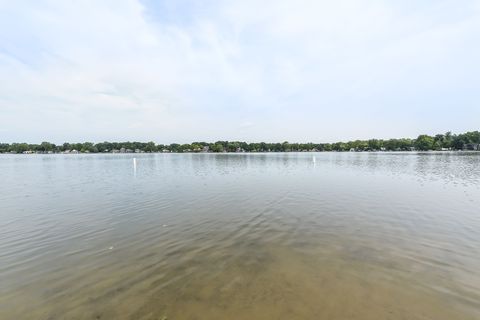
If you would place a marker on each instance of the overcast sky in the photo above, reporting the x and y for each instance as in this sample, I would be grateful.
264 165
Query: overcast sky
182 71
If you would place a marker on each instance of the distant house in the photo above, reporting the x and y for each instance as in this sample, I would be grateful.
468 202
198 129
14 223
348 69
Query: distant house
27 152
205 149
472 146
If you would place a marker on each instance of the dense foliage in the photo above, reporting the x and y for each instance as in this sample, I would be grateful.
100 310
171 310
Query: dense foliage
469 140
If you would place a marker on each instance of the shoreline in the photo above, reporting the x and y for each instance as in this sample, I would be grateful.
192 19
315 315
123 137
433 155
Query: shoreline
244 152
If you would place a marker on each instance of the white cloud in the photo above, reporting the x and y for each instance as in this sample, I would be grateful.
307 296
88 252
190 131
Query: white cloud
118 70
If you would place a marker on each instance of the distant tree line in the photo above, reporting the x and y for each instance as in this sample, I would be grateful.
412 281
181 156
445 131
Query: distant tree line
447 141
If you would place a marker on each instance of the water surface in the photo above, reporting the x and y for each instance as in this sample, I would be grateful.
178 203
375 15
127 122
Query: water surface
240 236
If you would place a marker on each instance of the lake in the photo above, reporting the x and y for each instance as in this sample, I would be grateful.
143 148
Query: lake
240 236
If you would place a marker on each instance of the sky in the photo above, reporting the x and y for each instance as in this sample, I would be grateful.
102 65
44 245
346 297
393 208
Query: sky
273 70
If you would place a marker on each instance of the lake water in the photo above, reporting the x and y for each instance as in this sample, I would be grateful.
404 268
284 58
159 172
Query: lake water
240 236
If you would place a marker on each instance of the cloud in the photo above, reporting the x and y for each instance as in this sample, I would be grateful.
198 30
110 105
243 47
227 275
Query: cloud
246 125
174 71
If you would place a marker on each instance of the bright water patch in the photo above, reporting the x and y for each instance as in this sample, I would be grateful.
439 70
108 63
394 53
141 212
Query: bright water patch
240 236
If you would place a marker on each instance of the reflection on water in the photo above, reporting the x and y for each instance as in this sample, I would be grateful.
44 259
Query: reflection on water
240 236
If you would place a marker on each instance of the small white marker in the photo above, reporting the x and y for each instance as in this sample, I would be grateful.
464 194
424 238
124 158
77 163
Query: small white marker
165 225
111 248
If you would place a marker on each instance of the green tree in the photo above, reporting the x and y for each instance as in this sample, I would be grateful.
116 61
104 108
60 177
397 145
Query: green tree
424 142
216 147
150 147
46 146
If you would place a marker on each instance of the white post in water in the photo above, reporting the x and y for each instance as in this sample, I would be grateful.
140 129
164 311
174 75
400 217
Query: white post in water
314 159
135 165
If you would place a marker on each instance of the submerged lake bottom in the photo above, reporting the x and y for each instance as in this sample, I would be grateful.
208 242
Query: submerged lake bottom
240 236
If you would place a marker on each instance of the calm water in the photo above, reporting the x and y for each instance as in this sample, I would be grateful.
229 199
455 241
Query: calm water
240 236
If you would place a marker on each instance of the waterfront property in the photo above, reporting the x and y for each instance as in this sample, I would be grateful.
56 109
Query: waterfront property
439 142
472 146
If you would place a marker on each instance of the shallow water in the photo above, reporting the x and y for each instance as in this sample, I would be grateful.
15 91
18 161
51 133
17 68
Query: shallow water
240 236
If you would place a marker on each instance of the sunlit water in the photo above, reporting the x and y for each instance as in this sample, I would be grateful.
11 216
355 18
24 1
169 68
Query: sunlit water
240 236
